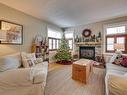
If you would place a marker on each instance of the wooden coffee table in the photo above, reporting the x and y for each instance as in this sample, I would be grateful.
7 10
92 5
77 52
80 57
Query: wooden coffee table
81 70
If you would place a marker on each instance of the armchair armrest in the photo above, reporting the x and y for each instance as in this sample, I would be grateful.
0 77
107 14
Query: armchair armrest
15 77
39 73
117 84
23 77
40 77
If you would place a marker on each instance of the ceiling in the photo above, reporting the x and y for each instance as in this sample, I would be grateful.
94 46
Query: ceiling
69 13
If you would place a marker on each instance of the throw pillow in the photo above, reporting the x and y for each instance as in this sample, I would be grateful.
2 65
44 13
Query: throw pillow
39 60
117 53
113 58
32 57
28 60
118 60
9 62
124 61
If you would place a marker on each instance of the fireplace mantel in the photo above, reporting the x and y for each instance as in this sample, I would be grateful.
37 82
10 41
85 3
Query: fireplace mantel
88 43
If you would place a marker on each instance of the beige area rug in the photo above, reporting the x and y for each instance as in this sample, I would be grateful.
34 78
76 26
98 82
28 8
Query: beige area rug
59 82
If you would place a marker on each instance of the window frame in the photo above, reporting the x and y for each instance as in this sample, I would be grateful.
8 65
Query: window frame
119 24
68 42
70 38
115 40
52 43
59 43
52 31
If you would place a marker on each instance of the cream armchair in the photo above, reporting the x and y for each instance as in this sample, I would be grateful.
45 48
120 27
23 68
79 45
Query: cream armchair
117 84
24 81
115 79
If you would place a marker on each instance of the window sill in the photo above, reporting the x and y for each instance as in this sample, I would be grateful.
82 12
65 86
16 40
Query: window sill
110 54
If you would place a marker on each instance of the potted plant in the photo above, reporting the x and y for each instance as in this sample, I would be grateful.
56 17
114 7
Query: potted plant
63 56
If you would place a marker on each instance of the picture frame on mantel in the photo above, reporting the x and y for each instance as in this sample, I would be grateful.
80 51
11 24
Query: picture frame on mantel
11 33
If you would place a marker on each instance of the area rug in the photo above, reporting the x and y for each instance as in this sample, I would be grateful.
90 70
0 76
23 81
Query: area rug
59 82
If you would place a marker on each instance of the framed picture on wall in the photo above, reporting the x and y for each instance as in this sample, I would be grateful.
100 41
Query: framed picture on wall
11 33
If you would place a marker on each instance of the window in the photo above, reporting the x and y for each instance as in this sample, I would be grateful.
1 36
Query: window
70 43
54 43
110 44
116 30
115 35
69 37
50 43
54 34
54 39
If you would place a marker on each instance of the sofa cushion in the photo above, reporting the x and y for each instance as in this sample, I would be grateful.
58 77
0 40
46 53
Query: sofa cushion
114 72
125 75
12 78
110 66
10 62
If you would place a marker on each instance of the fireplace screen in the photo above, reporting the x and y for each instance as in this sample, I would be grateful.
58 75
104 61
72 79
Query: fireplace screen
87 52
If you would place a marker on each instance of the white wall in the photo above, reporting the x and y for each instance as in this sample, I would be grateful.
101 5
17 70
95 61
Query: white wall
31 27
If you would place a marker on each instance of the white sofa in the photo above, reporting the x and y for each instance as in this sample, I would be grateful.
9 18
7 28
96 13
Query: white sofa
115 79
22 81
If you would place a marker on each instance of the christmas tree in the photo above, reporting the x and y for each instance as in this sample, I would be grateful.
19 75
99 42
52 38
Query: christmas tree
63 55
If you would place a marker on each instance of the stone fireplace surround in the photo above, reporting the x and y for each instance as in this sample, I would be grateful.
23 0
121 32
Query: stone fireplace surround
98 51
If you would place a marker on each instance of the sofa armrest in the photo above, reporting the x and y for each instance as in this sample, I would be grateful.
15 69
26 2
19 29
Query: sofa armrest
117 84
15 77
39 73
40 77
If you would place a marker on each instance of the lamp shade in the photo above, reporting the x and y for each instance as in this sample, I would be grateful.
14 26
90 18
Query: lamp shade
119 46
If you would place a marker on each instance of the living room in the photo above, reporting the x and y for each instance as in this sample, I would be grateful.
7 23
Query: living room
63 47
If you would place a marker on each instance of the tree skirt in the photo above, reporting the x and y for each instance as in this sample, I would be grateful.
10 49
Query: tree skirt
64 62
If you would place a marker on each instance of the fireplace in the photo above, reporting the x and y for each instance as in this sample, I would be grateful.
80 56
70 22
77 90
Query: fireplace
87 52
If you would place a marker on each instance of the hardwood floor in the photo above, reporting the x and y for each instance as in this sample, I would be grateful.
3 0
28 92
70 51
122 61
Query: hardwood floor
59 82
